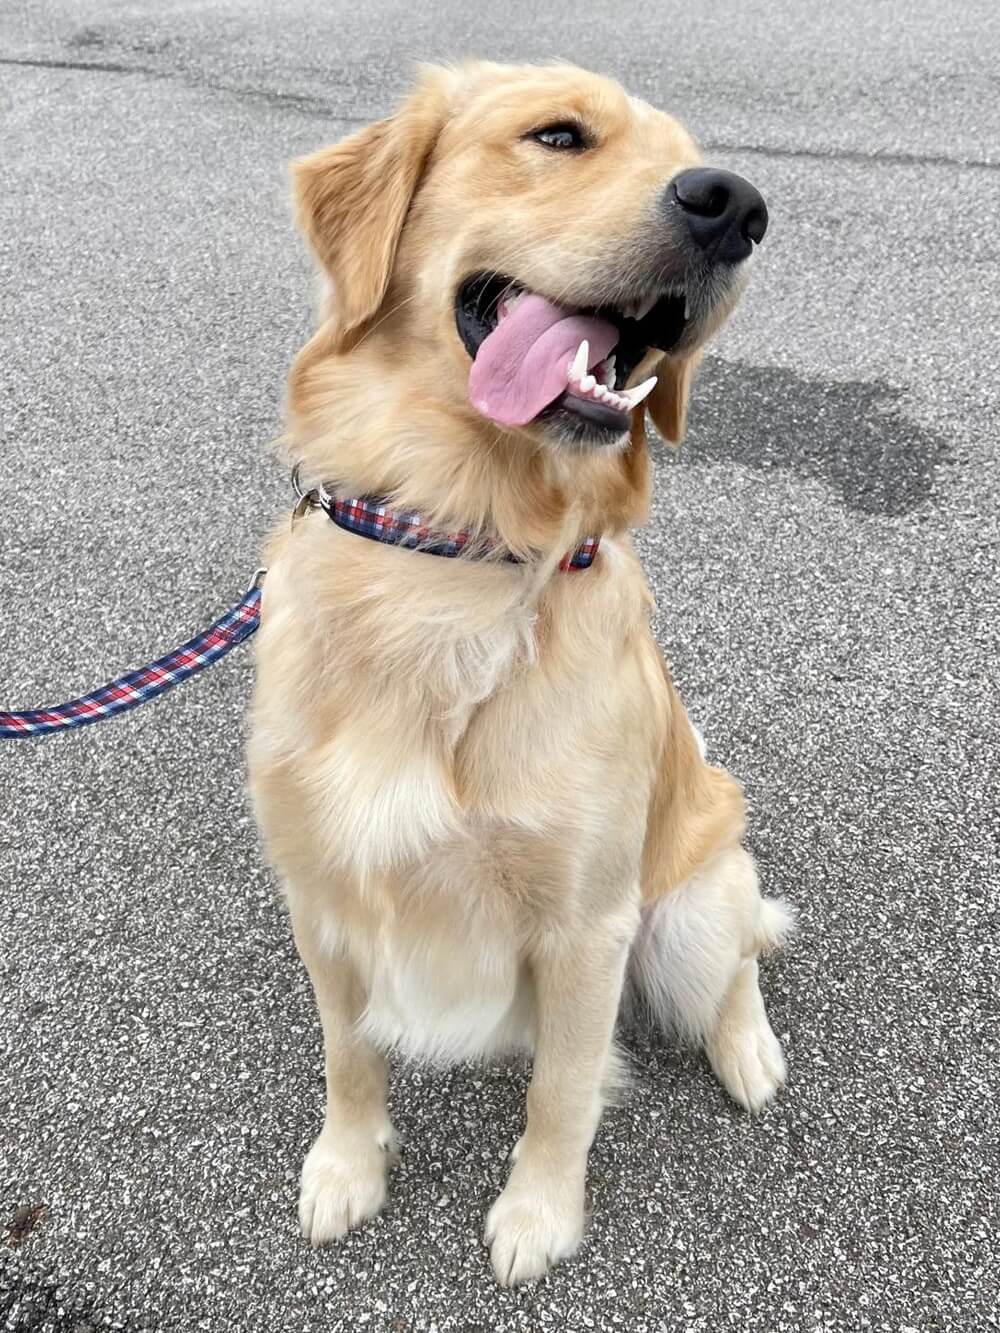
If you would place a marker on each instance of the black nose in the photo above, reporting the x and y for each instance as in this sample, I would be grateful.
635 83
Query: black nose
725 214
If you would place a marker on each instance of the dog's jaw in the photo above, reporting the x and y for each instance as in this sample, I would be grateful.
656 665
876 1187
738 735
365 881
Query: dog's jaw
574 372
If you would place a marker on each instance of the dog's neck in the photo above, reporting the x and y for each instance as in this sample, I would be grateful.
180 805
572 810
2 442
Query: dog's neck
373 420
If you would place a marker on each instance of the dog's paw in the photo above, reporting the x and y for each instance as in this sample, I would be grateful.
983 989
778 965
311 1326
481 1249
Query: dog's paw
343 1183
531 1228
747 1061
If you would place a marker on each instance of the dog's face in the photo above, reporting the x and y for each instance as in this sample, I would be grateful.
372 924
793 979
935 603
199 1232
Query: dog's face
541 241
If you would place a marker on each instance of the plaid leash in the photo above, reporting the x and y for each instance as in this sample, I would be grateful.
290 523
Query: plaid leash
366 516
138 687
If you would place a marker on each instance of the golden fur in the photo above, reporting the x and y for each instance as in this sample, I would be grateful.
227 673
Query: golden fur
472 775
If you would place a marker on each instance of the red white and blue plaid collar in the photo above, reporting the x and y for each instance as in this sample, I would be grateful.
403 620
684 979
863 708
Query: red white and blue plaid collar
368 516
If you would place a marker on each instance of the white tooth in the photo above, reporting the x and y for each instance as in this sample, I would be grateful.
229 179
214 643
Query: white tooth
587 383
644 307
608 373
641 391
687 307
579 367
600 391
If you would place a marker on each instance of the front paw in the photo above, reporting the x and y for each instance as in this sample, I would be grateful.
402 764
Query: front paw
533 1224
343 1183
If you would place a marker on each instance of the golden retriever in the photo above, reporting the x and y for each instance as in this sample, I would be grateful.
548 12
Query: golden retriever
489 812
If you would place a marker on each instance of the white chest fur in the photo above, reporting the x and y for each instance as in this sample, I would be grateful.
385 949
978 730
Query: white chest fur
385 776
445 995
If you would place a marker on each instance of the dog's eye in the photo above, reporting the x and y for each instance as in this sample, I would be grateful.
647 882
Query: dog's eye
565 137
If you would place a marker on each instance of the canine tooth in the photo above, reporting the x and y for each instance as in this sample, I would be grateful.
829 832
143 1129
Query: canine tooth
635 396
645 306
587 383
579 368
507 303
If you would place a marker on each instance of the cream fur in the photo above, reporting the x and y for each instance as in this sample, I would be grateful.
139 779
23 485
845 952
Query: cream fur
475 778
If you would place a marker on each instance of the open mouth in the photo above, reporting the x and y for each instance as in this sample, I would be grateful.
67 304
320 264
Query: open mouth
532 357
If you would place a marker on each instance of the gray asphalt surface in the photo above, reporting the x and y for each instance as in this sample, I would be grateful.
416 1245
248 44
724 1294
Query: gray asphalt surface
824 554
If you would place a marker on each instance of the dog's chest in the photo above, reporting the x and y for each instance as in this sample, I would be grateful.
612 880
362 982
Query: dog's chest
383 791
442 984
464 671
477 789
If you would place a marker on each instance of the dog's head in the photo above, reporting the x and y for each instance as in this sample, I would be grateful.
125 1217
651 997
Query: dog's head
537 244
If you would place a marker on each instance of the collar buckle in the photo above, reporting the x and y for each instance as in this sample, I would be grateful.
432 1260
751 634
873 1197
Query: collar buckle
318 497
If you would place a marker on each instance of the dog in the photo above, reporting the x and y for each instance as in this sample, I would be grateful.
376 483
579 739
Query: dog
492 820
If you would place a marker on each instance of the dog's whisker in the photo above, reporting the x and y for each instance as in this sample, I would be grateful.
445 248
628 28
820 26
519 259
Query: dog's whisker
383 318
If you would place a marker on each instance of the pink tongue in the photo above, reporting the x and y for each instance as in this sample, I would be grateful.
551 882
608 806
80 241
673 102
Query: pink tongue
524 363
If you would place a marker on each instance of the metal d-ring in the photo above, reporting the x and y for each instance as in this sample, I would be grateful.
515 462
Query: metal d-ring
316 498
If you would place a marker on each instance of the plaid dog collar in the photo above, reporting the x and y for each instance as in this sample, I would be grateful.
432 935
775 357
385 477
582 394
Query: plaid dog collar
368 516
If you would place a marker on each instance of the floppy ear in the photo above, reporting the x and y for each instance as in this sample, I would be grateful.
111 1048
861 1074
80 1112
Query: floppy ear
352 199
668 403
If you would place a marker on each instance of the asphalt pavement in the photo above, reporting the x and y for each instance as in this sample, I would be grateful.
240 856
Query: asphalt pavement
824 553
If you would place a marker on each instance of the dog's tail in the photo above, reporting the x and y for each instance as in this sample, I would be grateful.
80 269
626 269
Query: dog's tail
693 940
776 924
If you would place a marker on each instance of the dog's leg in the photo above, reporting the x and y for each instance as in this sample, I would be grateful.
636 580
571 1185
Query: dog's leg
743 1051
538 1218
695 965
344 1173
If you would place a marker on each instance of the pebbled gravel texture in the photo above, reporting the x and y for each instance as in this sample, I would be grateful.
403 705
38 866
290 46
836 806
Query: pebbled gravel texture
824 553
